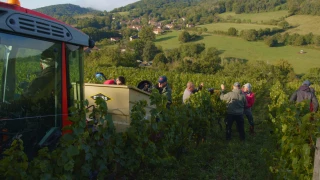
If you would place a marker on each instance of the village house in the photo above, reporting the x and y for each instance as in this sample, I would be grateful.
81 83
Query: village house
114 39
133 38
136 27
155 23
189 25
152 22
123 22
169 26
157 31
136 21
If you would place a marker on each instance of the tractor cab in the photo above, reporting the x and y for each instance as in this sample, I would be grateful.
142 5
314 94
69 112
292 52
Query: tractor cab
40 61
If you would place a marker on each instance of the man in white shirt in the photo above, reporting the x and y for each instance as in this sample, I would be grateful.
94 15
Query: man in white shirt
188 91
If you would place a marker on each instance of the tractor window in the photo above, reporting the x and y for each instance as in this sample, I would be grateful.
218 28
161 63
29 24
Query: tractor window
75 62
30 88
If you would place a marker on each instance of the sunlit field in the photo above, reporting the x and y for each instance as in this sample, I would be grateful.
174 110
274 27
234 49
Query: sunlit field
256 17
238 26
240 48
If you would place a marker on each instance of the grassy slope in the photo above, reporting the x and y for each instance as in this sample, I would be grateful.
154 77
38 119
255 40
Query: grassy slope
305 24
239 27
237 47
266 16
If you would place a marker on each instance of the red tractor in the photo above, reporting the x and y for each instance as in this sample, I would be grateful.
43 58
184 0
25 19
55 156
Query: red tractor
41 64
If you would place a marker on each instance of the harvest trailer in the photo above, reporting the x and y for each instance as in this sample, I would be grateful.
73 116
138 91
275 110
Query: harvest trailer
41 59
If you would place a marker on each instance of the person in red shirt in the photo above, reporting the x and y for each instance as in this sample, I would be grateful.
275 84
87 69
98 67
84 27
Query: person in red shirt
119 81
110 81
250 101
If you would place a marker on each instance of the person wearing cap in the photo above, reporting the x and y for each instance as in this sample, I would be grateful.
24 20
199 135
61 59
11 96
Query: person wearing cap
43 85
188 91
305 92
236 102
41 90
246 89
165 89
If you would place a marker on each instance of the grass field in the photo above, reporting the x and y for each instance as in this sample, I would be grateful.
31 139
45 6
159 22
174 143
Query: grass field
239 48
305 24
256 17
238 26
124 13
84 16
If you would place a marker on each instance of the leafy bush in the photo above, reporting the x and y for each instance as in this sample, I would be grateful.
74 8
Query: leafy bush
232 31
270 41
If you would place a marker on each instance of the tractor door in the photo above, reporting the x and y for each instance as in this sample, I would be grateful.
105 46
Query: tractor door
30 90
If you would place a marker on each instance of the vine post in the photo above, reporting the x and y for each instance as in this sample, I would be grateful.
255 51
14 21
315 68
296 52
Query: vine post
316 167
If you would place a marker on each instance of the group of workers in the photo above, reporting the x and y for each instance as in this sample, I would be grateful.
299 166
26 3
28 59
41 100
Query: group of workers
241 99
239 103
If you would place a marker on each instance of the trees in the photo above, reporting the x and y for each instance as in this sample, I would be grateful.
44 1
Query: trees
160 58
137 46
191 50
284 71
160 61
173 55
210 60
146 34
303 7
270 41
149 51
205 29
232 31
127 32
284 24
250 35
184 37
316 40
299 41
308 38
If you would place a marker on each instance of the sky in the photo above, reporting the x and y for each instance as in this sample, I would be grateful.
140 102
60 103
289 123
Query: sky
102 5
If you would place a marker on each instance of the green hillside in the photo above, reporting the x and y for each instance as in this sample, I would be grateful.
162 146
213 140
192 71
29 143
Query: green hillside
65 10
239 48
